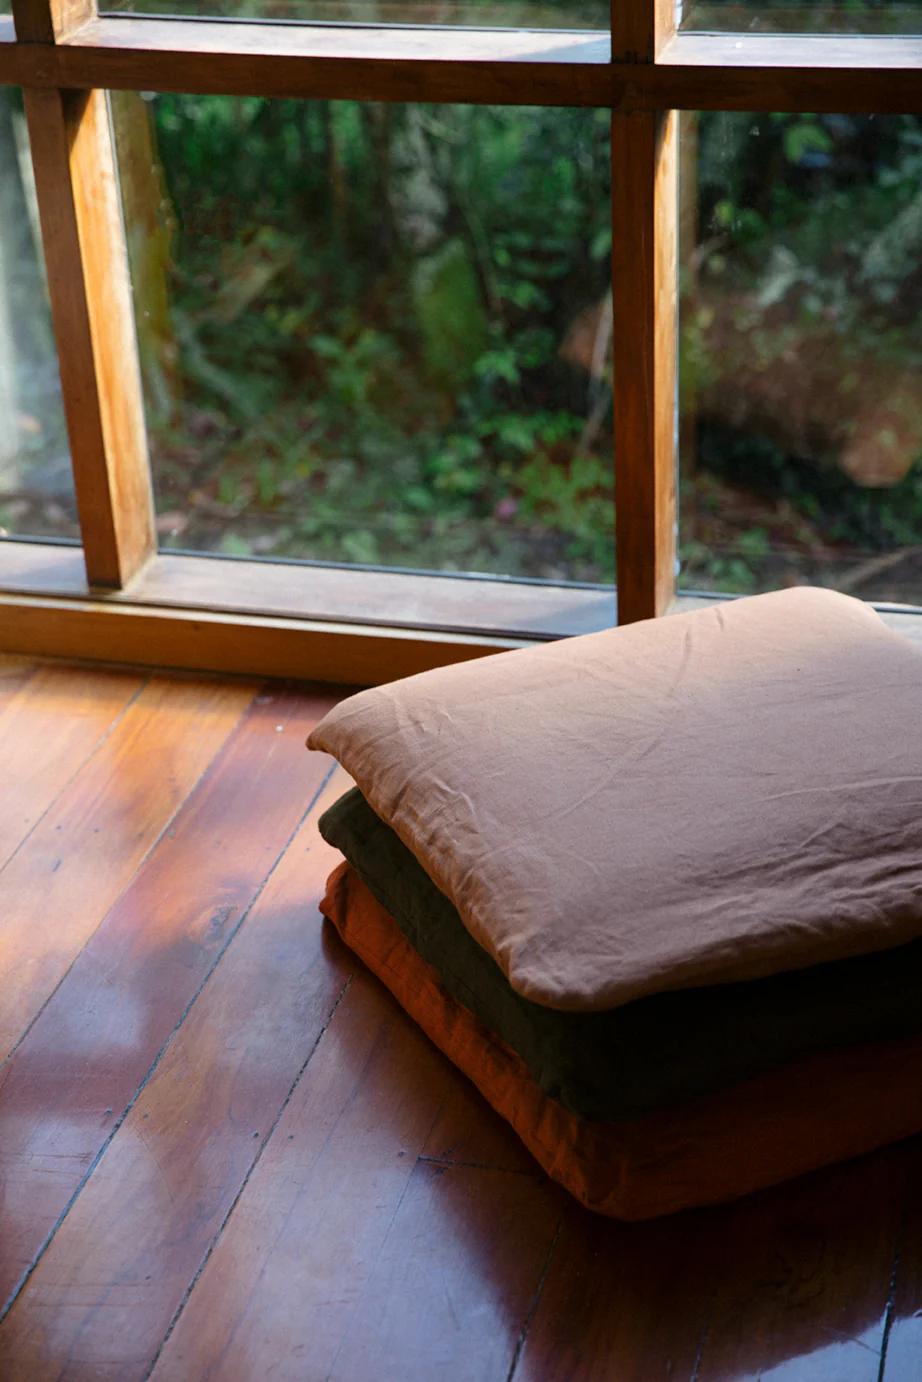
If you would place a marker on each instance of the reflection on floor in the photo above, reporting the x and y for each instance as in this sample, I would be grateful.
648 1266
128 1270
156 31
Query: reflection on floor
226 1153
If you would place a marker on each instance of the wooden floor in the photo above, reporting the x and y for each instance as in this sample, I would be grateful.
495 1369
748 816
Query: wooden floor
225 1153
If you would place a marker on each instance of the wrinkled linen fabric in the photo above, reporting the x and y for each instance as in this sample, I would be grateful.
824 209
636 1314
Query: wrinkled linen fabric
702 799
809 1114
643 1055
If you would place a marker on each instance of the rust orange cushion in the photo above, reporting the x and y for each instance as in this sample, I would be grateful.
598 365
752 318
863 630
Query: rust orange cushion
800 1117
707 798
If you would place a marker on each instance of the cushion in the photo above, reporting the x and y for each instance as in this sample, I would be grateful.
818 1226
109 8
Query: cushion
821 1110
657 1050
707 798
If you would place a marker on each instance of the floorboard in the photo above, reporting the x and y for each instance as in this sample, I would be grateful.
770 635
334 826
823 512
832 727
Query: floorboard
84 851
67 1086
225 1153
49 726
455 1280
319 1205
625 1301
179 1159
902 1352
14 673
805 1282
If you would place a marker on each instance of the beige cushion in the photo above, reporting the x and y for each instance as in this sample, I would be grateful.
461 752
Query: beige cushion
710 797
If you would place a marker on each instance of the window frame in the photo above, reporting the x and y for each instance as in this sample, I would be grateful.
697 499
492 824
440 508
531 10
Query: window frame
132 603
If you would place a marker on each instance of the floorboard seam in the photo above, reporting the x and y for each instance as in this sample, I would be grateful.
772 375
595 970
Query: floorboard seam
480 1166
103 738
27 1274
384 1237
891 1300
535 1302
702 1343
356 1306
155 844
246 1180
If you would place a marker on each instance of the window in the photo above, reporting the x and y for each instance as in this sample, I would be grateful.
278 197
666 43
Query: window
337 328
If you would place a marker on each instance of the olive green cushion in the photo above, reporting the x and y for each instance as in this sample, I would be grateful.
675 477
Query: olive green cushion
653 1051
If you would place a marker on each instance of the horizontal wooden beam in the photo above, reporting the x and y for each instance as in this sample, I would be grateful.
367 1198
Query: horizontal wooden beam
396 64
114 630
117 631
409 600
873 74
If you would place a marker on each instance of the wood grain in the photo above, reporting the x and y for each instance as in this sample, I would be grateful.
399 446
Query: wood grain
50 724
468 1133
301 590
344 61
94 1041
640 29
14 673
350 654
903 1329
644 286
456 1278
34 21
61 882
386 1225
50 21
145 1221
805 1285
287 1277
87 262
625 1301
874 75
114 629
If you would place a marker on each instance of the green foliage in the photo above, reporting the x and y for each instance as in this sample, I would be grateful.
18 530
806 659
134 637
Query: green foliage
369 304
373 307
451 314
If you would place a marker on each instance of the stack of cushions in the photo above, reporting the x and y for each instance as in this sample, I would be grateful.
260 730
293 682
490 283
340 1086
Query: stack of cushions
657 891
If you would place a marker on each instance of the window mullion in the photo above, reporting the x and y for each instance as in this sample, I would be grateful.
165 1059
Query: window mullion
87 264
644 214
47 21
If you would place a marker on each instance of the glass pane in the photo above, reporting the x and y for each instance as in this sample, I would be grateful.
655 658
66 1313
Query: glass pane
36 485
801 354
375 334
511 14
802 17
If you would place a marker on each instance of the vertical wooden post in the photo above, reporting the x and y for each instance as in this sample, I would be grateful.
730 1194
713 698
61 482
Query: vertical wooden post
689 305
641 28
644 288
46 21
644 291
76 181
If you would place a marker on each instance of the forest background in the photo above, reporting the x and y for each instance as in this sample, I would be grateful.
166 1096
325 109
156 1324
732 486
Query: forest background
382 334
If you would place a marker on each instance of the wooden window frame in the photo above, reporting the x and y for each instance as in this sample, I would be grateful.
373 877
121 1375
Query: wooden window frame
116 598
